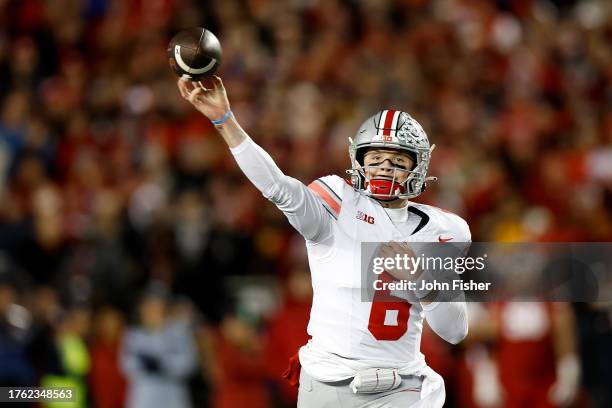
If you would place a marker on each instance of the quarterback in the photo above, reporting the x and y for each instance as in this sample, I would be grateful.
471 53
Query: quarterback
361 354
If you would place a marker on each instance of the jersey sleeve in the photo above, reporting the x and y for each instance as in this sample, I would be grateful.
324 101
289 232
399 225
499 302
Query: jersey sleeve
329 191
449 319
300 204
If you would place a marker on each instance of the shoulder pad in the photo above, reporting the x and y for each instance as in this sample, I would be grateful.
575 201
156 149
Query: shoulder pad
448 222
330 190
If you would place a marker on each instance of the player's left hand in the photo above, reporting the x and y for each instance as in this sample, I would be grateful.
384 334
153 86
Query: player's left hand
390 250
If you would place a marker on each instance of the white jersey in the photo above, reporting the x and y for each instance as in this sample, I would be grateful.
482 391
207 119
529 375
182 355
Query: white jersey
349 334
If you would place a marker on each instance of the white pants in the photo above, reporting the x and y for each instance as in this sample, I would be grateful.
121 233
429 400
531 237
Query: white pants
317 394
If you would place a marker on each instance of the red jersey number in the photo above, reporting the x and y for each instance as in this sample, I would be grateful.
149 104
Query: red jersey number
383 301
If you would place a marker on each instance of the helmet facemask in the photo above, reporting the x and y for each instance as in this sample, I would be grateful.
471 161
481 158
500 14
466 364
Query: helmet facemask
390 188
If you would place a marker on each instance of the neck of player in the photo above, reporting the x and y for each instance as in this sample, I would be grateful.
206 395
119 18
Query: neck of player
397 203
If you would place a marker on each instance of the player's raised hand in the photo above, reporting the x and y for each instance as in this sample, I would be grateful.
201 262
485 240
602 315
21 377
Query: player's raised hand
212 102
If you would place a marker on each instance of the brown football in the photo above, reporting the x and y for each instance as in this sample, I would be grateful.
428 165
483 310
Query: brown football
194 54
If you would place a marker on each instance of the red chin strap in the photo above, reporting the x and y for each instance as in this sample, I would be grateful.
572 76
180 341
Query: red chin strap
381 189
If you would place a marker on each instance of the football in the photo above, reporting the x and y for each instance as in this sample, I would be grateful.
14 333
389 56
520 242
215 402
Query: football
194 54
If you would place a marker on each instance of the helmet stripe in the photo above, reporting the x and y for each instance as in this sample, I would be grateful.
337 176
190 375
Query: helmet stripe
390 114
396 116
381 123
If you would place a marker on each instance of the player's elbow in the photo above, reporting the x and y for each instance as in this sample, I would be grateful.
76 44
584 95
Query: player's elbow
452 330
456 333
458 337
448 320
283 192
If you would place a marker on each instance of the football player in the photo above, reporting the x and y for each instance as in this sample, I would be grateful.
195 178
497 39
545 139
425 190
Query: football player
360 353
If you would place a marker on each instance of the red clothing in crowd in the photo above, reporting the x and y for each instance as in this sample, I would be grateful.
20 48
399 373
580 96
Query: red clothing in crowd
107 381
287 334
526 358
240 379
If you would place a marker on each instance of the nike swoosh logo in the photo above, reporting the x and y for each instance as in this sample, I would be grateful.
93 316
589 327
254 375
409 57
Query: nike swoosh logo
444 239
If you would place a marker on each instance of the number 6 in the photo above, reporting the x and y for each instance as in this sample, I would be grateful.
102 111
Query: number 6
381 303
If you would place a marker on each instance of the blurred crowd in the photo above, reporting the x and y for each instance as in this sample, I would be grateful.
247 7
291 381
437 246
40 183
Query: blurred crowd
127 233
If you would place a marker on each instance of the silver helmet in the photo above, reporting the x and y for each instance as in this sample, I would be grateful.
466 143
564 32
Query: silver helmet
391 129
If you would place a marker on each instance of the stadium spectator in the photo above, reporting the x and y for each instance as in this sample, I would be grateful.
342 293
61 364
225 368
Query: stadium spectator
106 380
15 370
69 340
287 332
240 376
158 355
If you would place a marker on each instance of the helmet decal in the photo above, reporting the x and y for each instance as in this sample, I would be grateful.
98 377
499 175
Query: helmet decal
410 132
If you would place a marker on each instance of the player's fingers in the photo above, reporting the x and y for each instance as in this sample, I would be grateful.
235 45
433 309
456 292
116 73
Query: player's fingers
217 82
403 246
190 86
387 252
395 246
392 247
193 95
182 86
201 85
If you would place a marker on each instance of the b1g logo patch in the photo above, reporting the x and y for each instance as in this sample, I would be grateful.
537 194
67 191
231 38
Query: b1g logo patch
365 217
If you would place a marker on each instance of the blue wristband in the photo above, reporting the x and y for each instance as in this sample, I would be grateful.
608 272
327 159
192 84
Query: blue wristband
223 119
